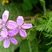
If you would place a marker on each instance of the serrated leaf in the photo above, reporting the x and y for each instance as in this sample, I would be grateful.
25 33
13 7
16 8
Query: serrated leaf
49 25
41 24
49 35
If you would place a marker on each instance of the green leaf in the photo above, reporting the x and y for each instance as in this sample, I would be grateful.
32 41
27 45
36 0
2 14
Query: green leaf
49 25
31 34
34 45
49 35
49 43
27 46
41 24
50 49
24 47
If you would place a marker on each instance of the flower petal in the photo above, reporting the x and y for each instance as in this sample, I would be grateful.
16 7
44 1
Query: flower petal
14 41
13 32
11 24
6 43
20 20
23 33
0 23
5 15
4 32
26 26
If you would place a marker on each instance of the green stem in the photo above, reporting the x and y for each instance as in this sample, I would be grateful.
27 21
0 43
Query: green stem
43 5
30 50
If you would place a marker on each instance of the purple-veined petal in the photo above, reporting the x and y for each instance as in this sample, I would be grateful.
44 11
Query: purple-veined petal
11 24
13 32
14 41
6 43
5 15
23 33
26 26
20 20
4 32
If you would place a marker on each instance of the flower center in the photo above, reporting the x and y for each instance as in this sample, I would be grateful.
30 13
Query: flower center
19 27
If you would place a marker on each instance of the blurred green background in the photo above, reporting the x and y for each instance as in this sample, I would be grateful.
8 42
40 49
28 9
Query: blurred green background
39 13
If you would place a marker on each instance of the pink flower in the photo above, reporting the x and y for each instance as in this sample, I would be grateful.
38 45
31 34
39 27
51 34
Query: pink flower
3 24
3 29
5 33
21 26
8 40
